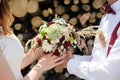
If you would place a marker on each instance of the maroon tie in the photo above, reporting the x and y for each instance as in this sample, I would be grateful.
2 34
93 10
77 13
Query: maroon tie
108 9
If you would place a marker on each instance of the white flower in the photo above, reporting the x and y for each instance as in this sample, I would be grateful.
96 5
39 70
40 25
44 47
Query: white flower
60 20
55 41
46 46
75 42
62 47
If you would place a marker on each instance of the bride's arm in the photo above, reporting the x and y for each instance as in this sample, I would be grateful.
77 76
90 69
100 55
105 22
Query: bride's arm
45 63
5 71
28 58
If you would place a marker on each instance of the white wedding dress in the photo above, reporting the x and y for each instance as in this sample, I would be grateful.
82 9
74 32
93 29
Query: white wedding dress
13 53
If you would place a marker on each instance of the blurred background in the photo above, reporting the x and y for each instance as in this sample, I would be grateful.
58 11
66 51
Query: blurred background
29 15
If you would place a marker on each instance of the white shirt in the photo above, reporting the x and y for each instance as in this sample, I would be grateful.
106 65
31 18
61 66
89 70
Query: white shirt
100 68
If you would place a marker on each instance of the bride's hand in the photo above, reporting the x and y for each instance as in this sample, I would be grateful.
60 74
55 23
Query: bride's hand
39 51
49 61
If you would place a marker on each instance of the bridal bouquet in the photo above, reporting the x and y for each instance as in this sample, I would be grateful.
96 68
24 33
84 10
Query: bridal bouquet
58 35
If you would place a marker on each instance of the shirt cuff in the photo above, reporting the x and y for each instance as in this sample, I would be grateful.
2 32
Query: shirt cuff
75 62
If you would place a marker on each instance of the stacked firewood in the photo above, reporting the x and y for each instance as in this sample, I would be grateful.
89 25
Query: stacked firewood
29 15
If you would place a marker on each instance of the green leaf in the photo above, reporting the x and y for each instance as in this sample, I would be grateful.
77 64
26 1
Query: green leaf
71 39
42 32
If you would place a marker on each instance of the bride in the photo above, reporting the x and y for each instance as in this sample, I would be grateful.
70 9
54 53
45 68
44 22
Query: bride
12 57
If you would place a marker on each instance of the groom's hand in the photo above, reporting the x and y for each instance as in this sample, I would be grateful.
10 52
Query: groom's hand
69 55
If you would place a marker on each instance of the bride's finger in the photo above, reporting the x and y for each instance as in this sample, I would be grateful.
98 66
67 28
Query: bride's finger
60 58
60 62
54 57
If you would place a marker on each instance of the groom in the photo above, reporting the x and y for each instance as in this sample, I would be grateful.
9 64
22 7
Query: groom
104 62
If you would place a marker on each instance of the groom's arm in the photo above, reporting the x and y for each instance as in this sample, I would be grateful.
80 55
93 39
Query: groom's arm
103 70
74 64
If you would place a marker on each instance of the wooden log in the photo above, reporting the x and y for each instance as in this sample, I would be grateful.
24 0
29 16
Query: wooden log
97 4
73 21
92 20
101 10
84 18
55 3
79 16
84 26
24 36
67 74
86 7
41 0
18 27
85 52
35 29
23 43
36 21
65 17
20 37
45 13
89 50
19 7
59 10
84 1
76 1
74 8
93 15
50 11
90 42
42 77
67 2
33 6
58 69
99 15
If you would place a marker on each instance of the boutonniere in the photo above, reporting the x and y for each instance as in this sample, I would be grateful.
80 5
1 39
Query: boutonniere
101 38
